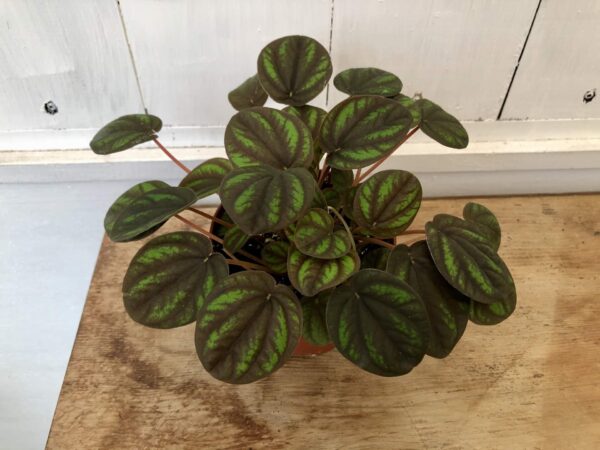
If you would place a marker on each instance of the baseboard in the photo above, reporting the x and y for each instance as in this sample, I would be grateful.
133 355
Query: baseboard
503 158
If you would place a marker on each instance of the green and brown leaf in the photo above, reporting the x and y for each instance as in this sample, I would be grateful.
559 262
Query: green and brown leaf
248 327
170 278
360 130
206 178
261 135
248 94
386 204
379 323
368 81
294 69
125 132
262 199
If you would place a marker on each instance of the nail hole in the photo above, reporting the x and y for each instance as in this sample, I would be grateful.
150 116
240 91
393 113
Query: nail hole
50 107
589 95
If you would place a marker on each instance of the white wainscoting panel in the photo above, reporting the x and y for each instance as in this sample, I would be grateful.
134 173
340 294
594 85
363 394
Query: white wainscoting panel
461 54
72 52
191 53
560 64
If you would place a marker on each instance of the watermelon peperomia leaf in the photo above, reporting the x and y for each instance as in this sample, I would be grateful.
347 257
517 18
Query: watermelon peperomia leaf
169 279
125 132
248 327
144 208
262 199
379 323
441 126
275 255
235 239
465 257
312 275
248 94
447 309
314 325
315 236
205 179
493 313
368 81
266 136
294 69
411 105
387 202
474 212
362 129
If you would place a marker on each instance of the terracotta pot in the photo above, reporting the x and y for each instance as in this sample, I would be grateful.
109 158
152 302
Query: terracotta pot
305 348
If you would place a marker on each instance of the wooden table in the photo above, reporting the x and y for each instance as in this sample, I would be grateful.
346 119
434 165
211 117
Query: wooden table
531 382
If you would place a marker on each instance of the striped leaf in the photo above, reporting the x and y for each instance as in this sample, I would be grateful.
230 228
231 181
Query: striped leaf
374 257
441 126
411 105
248 327
494 313
275 254
313 275
319 200
386 204
313 118
206 178
235 239
170 278
448 309
144 208
474 212
367 81
263 199
379 323
361 130
315 236
260 135
125 132
248 94
294 69
314 325
463 255
125 200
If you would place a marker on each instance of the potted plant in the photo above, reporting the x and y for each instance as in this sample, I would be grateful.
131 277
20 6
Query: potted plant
303 254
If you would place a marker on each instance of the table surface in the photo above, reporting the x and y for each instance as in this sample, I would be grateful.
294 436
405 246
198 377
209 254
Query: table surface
530 382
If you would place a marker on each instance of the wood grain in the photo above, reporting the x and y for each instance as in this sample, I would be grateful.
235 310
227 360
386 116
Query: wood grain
531 382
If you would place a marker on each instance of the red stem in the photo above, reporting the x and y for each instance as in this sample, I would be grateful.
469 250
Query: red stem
382 160
211 217
168 153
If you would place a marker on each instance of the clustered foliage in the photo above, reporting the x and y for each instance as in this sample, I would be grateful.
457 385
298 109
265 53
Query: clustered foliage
304 245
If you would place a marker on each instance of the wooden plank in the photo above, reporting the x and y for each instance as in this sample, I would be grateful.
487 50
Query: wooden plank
560 64
72 52
459 54
531 382
191 53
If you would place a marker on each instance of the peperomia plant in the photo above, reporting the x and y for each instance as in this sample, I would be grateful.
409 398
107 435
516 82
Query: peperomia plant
307 248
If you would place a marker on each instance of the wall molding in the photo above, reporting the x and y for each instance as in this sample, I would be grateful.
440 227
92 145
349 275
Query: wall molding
503 158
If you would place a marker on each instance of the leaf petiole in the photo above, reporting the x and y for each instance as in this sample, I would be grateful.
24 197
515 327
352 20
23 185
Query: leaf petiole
170 155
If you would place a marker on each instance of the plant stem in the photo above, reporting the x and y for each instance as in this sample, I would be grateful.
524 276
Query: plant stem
339 216
412 232
376 241
322 174
382 160
244 264
220 241
168 153
211 217
357 177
